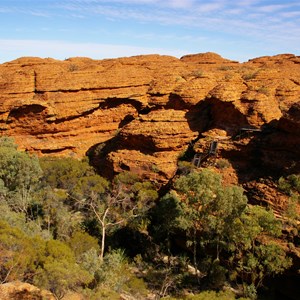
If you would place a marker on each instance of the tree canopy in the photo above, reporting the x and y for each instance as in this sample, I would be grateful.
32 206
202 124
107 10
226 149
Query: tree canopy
62 226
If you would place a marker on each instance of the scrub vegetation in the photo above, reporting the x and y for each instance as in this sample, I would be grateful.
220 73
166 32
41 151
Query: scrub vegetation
65 228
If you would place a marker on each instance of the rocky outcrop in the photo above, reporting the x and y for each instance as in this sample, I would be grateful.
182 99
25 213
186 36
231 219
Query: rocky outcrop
141 113
23 291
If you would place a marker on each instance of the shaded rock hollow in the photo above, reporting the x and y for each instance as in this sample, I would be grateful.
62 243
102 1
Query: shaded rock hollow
141 113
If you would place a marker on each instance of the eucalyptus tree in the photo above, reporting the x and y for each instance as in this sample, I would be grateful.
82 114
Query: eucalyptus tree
113 205
237 239
203 208
20 175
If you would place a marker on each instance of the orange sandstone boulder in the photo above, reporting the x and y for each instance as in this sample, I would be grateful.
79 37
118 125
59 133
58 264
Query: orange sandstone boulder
23 291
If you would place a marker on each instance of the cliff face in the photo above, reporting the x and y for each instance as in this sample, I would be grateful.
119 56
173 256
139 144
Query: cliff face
141 113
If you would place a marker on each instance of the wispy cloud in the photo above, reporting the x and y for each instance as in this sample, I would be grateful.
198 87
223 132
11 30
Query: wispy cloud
186 13
275 7
291 14
39 14
180 3
5 10
253 18
168 23
247 20
43 12
247 3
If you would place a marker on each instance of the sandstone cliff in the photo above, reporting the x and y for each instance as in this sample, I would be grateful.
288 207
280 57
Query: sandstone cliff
141 113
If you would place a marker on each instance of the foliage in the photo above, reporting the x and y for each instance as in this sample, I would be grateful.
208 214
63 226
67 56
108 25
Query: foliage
20 254
18 220
291 208
170 216
198 73
136 286
222 163
185 167
73 67
103 294
124 204
218 218
209 205
250 260
212 295
57 213
290 185
248 73
59 271
263 90
19 176
81 242
114 271
18 170
63 173
209 295
225 68
166 274
67 183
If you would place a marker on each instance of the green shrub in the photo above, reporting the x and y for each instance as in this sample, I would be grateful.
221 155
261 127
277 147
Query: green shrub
136 287
18 170
228 76
58 271
64 173
290 184
291 208
248 73
114 271
81 242
185 167
263 90
198 73
225 68
249 76
223 163
20 254
102 293
73 67
212 295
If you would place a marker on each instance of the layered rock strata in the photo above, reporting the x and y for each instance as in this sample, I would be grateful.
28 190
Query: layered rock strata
141 113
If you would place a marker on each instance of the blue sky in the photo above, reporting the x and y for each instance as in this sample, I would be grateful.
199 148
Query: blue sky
99 29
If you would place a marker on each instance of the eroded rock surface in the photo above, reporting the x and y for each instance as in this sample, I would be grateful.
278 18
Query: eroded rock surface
23 291
141 113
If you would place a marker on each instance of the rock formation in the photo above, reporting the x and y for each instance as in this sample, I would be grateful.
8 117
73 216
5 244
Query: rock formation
23 291
144 113
141 113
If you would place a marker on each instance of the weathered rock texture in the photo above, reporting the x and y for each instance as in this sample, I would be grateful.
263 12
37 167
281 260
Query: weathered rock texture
141 113
23 291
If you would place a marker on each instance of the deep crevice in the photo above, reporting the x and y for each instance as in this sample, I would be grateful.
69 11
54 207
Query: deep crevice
213 113
34 81
177 103
70 118
126 120
295 81
50 151
21 111
115 102
89 89
107 104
